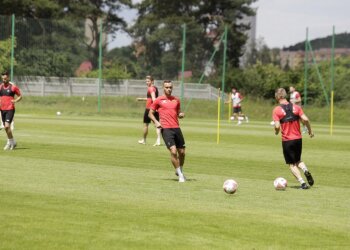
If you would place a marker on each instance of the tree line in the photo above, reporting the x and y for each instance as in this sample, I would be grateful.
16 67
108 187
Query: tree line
50 40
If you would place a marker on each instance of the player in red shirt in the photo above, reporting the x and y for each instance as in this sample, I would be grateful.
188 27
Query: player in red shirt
287 118
10 94
152 94
168 107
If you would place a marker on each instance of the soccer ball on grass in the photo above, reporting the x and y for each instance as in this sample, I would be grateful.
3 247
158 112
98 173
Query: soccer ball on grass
230 186
280 183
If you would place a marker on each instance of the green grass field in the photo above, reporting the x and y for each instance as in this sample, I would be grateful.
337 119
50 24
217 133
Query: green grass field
83 182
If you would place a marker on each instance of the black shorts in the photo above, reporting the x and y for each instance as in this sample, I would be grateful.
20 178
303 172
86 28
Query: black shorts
146 119
173 136
237 110
292 151
7 115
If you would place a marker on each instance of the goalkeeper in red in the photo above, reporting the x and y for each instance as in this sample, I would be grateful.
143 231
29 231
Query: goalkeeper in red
287 117
10 94
168 107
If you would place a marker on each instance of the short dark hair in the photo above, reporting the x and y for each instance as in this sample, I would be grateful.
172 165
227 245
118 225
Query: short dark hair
167 82
5 73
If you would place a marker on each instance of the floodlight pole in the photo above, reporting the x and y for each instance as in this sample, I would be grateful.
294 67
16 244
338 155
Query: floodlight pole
306 63
332 81
208 63
224 68
218 121
216 49
100 69
318 73
183 61
12 45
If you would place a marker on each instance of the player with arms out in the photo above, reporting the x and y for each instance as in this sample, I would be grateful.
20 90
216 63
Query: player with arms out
287 118
168 107
152 94
9 94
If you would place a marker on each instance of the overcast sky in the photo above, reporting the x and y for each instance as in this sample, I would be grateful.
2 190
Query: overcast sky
282 23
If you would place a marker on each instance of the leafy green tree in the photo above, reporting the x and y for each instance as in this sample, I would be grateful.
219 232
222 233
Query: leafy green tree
110 72
341 82
5 54
125 58
33 9
158 33
216 14
261 80
49 47
95 12
66 29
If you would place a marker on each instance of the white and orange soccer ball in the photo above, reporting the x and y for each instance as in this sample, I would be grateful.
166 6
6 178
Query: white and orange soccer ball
230 186
280 183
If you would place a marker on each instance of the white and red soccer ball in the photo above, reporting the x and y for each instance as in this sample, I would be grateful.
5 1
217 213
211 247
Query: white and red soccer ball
280 183
230 186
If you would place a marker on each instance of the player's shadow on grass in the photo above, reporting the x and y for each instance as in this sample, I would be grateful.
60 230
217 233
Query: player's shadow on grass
298 187
177 180
22 148
16 149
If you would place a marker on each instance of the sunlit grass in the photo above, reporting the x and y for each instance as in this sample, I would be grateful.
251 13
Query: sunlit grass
83 182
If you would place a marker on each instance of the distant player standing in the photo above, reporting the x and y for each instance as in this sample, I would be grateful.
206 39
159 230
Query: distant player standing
237 98
286 117
8 92
295 96
168 107
152 94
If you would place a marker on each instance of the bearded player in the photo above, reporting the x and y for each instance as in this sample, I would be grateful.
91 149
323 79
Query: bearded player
168 107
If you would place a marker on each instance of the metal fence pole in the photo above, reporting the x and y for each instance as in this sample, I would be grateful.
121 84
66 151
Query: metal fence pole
42 86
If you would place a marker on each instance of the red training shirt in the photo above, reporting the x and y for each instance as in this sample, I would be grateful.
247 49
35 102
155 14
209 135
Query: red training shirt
289 130
168 109
150 90
7 95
